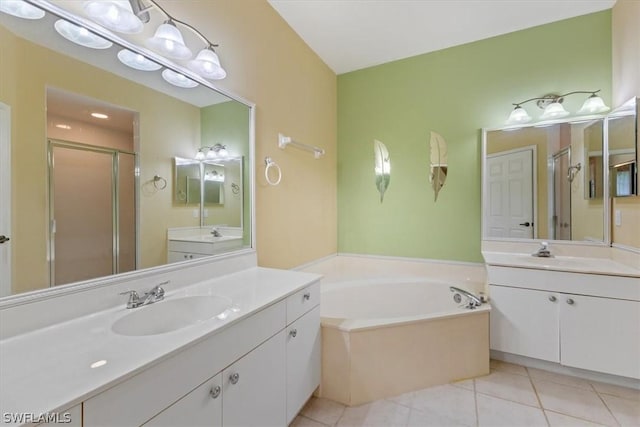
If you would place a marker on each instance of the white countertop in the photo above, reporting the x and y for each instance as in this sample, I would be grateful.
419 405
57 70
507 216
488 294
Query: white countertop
49 369
604 266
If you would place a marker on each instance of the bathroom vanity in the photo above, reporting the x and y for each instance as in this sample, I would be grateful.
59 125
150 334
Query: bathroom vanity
580 312
253 360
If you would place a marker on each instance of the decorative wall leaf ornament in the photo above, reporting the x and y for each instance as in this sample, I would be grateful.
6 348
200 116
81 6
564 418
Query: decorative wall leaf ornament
438 174
382 167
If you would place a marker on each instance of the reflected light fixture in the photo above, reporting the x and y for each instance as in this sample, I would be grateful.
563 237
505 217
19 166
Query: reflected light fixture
116 15
553 109
207 64
137 61
217 151
80 35
21 9
178 79
101 116
169 42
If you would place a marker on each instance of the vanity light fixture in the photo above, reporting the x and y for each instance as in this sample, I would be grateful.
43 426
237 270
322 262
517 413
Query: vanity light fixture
80 35
207 64
63 126
169 42
553 109
178 79
137 61
116 15
21 9
218 151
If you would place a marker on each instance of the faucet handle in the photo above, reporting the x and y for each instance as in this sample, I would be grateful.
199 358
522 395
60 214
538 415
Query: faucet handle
544 245
134 298
157 290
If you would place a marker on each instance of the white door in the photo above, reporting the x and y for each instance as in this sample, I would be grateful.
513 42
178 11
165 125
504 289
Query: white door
5 200
509 208
525 322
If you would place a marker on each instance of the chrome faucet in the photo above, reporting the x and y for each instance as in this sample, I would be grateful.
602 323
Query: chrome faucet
543 251
215 232
154 295
472 300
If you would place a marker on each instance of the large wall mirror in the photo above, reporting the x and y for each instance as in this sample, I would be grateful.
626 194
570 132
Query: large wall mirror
571 180
545 182
95 196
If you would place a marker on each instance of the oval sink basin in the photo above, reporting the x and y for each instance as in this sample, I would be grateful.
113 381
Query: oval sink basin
170 315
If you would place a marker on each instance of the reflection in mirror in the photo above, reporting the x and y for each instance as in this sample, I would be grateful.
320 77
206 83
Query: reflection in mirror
535 185
164 122
187 181
623 150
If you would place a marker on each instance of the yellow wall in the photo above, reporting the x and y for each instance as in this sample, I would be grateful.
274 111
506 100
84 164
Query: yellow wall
625 19
34 68
295 93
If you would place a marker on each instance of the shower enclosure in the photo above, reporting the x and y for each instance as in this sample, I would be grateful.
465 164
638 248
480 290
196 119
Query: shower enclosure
92 200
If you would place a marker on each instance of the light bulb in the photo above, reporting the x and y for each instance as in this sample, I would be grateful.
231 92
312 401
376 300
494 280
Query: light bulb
116 15
178 79
518 115
137 61
207 64
21 9
80 35
593 105
168 41
555 110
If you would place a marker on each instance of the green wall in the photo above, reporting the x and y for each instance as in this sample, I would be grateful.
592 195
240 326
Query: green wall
454 92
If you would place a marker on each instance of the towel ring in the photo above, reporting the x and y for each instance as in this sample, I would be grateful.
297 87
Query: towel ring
271 164
158 179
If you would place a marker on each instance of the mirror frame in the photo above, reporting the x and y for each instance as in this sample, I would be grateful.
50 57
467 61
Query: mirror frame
606 203
75 287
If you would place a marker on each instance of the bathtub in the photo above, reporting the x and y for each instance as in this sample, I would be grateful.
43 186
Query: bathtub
382 338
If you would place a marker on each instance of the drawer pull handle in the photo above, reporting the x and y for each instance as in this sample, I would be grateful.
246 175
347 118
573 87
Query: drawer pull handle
215 392
293 333
234 378
307 296
552 298
570 301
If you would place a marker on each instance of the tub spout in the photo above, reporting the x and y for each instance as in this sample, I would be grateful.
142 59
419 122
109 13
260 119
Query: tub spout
472 300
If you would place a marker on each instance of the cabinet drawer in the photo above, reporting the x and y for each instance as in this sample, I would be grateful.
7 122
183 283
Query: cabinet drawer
302 301
182 256
136 400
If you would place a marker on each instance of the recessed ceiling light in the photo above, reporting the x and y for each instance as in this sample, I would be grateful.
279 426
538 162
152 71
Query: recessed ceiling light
99 116
63 126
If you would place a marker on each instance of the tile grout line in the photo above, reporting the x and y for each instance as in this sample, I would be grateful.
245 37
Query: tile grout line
605 404
475 400
535 391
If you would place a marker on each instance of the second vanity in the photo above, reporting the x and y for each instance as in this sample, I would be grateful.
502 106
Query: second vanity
578 312
255 362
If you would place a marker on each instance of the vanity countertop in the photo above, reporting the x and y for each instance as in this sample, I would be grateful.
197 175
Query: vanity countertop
49 369
586 265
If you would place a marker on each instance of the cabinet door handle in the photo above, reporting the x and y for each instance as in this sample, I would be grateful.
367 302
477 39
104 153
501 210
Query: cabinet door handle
293 333
570 301
306 296
234 378
552 298
215 392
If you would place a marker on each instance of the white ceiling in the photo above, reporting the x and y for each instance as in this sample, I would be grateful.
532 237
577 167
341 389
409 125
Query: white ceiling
352 34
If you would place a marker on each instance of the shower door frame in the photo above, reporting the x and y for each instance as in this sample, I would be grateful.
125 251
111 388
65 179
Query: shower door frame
555 220
51 143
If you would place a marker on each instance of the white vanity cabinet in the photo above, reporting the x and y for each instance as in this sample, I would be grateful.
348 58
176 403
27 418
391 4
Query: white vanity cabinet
187 249
598 332
257 372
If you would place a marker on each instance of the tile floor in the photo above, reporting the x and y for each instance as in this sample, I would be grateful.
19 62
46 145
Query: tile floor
509 396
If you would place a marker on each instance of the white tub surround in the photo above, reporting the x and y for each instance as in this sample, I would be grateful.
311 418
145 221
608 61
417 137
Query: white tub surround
122 379
579 310
391 326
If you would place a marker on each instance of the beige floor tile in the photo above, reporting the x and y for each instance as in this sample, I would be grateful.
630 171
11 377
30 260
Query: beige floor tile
323 410
494 412
498 365
512 387
573 401
465 384
561 420
626 411
301 421
446 404
381 413
539 374
615 390
404 399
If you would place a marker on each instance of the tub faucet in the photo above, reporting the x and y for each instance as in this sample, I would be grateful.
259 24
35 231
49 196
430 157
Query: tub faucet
543 251
215 232
472 300
154 295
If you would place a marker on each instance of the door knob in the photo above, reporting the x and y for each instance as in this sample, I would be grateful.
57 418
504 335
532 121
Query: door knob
526 224
4 239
